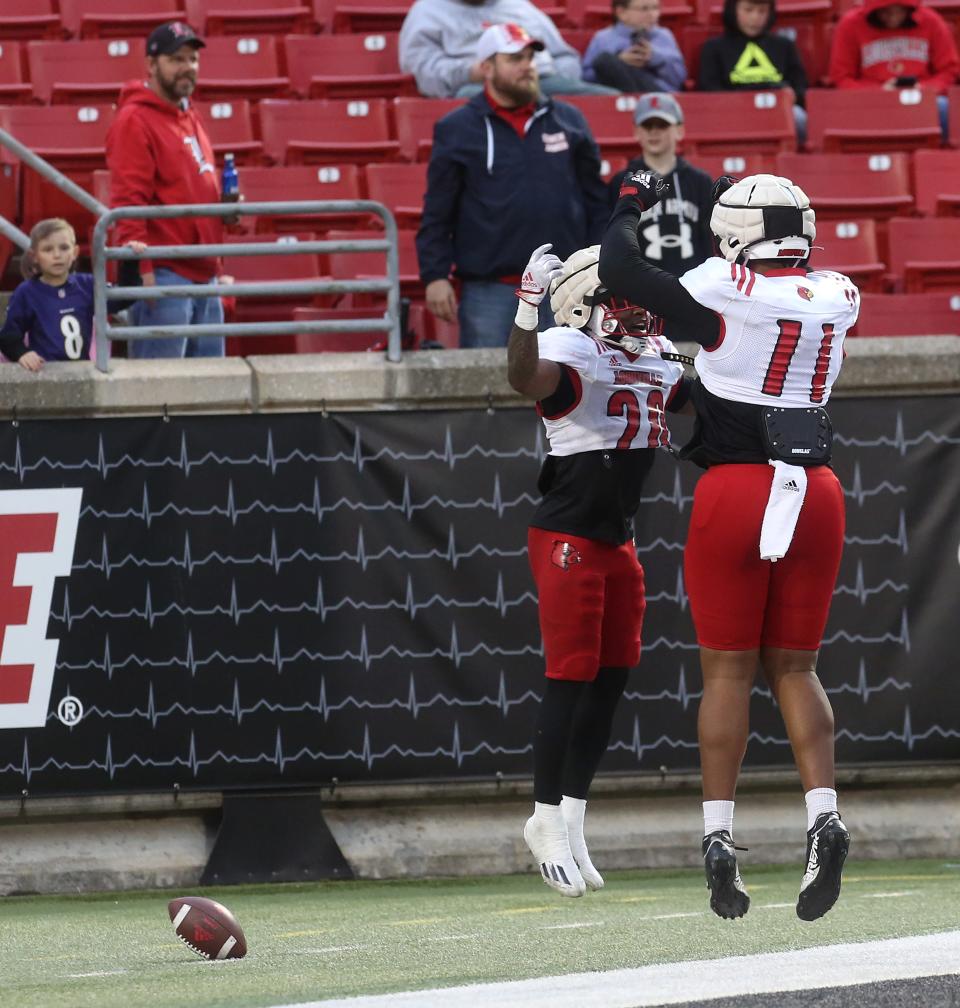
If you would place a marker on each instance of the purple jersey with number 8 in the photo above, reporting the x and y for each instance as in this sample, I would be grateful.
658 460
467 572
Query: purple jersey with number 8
57 322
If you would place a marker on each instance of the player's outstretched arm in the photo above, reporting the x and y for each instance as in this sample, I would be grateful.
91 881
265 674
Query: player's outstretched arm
526 372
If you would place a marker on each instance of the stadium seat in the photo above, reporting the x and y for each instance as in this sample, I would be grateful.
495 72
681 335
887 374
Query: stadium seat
357 342
346 66
359 265
841 186
314 132
401 188
428 327
937 182
934 314
850 247
117 18
258 269
611 121
758 121
242 17
609 166
739 165
302 182
415 119
924 254
229 125
788 11
40 20
953 117
360 15
245 66
13 86
871 119
83 71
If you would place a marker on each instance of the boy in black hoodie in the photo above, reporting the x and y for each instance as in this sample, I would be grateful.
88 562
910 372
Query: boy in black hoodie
675 234
748 56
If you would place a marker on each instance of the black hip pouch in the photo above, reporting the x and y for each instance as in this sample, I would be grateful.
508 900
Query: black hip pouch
799 436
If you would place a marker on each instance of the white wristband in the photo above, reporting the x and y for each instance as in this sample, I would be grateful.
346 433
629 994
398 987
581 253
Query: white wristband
527 316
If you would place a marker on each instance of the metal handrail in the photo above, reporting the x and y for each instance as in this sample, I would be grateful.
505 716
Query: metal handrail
389 322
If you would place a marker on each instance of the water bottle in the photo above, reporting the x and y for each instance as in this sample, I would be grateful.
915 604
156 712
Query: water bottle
229 181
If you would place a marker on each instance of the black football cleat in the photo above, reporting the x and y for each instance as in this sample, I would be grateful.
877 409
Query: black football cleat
728 897
827 845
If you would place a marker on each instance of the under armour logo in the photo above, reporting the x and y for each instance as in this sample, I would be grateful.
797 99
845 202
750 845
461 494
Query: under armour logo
791 485
657 242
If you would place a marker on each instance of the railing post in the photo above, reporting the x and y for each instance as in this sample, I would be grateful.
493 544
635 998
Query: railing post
98 253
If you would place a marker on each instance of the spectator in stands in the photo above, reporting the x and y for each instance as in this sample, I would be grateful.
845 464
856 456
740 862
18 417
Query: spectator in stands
508 171
635 54
675 234
895 45
749 56
158 152
50 315
438 45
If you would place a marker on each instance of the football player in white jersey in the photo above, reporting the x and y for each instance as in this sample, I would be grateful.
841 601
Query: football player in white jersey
766 530
603 379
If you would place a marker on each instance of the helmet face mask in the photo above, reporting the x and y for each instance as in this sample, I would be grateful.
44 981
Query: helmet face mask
625 326
764 217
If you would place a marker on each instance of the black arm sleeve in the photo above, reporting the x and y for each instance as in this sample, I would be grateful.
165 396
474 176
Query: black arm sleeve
628 275
128 275
11 345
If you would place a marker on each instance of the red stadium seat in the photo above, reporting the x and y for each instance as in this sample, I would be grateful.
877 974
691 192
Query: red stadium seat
241 17
346 66
246 66
401 188
611 121
937 179
302 182
609 166
415 118
13 86
759 121
360 15
934 314
924 254
356 342
871 120
738 165
321 132
83 71
953 117
359 265
841 186
788 11
258 269
229 125
850 247
117 18
39 19
428 327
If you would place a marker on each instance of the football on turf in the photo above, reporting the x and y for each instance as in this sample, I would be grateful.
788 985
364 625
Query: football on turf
207 928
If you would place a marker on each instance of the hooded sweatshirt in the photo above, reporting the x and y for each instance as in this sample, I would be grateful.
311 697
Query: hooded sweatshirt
865 54
160 154
675 234
735 62
438 41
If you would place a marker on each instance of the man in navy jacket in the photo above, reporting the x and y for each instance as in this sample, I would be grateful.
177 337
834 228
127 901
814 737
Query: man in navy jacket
509 171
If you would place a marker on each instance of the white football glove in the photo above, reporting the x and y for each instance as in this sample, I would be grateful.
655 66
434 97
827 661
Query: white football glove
539 272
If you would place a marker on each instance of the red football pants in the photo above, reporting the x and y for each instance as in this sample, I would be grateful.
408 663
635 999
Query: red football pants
740 602
591 603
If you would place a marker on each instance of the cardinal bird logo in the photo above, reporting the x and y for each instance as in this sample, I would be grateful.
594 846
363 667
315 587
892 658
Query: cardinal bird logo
564 555
805 293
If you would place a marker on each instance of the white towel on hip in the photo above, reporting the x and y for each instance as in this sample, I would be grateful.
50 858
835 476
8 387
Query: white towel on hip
787 491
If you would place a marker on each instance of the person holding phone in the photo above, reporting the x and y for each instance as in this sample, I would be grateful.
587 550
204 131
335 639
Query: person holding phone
899 45
635 54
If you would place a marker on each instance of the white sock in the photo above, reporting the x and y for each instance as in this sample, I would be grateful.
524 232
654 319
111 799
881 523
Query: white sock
819 800
717 815
550 815
574 810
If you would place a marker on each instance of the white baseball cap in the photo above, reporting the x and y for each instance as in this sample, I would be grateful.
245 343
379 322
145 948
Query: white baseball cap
505 38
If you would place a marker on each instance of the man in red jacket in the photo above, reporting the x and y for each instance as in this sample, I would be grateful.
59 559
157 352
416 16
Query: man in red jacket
159 153
895 45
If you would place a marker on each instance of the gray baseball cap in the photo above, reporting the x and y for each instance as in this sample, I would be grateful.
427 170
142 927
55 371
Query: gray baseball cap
658 105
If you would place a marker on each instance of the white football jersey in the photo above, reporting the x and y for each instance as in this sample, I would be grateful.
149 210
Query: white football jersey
781 336
620 398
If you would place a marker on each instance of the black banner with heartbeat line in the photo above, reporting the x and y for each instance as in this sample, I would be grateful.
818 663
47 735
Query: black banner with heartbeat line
280 600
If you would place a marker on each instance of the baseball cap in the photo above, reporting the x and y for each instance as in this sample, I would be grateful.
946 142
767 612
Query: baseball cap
167 39
658 105
505 38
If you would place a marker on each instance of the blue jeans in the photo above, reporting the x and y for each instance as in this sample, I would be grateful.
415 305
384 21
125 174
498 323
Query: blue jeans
486 312
177 311
552 84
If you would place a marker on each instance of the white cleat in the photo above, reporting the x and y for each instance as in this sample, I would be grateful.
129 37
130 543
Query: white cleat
546 836
573 812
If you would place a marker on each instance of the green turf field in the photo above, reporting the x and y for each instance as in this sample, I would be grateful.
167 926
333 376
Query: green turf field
309 942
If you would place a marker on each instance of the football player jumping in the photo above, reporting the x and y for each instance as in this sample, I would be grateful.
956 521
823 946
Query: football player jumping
602 378
766 530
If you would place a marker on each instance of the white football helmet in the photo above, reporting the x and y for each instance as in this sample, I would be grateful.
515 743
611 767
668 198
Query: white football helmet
764 217
580 301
